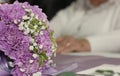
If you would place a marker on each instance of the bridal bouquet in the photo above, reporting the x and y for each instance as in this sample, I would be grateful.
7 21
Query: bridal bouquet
26 39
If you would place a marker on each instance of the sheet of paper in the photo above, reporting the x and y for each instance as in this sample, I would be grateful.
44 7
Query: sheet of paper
115 68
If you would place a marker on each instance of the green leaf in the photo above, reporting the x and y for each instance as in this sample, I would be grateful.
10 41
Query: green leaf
99 71
42 57
51 37
51 33
35 50
34 21
31 26
43 54
110 71
105 71
67 74
38 29
119 73
40 60
44 24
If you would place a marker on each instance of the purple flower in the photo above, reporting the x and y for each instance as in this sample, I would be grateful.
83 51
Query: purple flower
15 38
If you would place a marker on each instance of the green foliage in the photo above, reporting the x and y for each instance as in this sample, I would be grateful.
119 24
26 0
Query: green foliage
67 74
106 73
42 57
51 37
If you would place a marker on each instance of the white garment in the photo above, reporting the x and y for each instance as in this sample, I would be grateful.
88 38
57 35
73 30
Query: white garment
100 27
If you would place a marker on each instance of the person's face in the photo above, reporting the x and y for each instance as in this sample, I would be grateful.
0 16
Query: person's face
97 2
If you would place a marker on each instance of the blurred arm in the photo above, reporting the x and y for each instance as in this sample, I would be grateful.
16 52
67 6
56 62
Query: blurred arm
108 42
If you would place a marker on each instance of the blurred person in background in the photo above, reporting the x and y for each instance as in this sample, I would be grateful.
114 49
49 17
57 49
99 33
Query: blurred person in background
50 7
88 26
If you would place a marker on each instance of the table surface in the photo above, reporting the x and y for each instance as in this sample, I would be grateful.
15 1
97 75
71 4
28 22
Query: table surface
85 60
111 55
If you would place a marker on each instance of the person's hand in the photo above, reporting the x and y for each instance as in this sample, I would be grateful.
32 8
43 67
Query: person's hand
70 44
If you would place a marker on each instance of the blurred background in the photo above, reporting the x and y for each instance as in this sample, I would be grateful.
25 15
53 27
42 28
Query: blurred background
88 28
82 25
50 7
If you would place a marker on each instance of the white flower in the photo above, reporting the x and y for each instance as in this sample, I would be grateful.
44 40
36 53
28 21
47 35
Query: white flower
22 69
43 27
25 17
44 20
26 31
35 27
21 24
32 40
31 30
34 44
35 33
11 64
41 46
28 23
54 54
18 20
23 6
51 61
30 19
32 14
15 21
40 23
49 58
53 48
35 56
54 65
36 16
31 47
31 61
20 27
41 33
28 10
37 74
26 26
